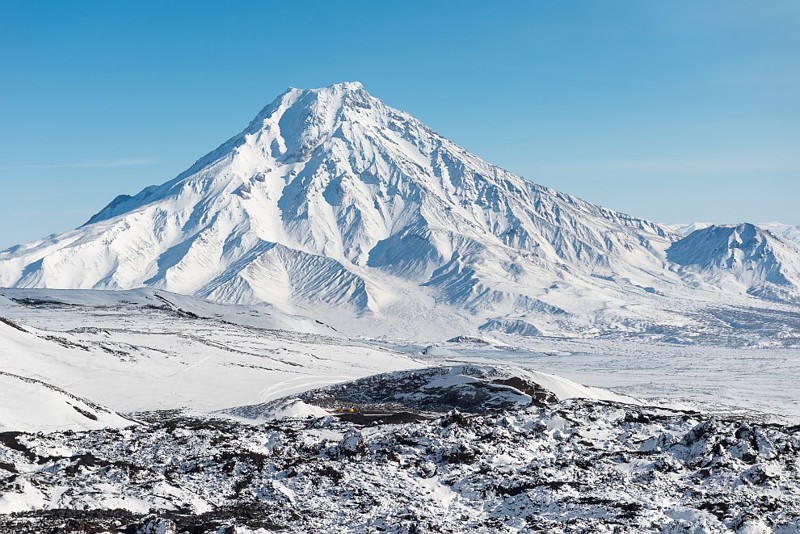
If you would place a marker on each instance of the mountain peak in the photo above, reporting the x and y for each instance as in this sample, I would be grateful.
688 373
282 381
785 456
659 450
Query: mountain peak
334 87
341 87
300 119
331 92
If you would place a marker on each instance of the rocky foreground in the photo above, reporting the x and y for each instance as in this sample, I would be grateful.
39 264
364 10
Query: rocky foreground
440 450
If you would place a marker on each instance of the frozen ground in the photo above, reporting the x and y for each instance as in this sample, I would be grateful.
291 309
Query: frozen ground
439 450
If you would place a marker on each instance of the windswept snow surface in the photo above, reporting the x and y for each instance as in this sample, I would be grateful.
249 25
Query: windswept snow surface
34 406
333 205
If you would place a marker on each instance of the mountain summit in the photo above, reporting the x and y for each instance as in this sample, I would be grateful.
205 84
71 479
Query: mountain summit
334 204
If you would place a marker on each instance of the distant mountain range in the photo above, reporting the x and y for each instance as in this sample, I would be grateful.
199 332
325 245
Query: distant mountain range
334 205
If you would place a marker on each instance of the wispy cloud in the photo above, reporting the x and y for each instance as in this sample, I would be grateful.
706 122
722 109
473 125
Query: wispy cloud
44 213
101 164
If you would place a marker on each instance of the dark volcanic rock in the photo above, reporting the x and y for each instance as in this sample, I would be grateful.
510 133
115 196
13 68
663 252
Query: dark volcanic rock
578 466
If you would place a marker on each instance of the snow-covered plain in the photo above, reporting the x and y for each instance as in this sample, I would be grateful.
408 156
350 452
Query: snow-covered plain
731 380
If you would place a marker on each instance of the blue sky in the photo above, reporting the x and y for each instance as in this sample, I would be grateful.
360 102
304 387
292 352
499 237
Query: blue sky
675 111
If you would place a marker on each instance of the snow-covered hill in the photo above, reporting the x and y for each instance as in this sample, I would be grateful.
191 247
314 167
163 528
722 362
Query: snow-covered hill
335 205
786 231
421 393
746 257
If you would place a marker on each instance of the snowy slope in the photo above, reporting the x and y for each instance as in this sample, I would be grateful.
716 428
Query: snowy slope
35 406
132 352
263 316
334 205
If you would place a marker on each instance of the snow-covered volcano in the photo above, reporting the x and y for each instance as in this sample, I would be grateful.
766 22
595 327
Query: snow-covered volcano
334 204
